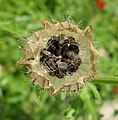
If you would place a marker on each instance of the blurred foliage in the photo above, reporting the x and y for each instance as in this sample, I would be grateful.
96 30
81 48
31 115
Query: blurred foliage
21 101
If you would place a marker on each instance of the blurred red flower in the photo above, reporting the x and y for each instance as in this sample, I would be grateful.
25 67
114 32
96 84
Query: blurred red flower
100 4
116 89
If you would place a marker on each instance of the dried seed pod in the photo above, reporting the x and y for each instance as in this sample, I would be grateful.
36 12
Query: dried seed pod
60 57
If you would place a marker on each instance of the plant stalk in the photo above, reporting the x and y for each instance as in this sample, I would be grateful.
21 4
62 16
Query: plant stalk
105 80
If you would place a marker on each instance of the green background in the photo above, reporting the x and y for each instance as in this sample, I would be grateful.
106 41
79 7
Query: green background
19 100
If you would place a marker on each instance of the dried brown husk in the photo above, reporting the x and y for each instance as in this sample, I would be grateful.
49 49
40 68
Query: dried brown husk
37 71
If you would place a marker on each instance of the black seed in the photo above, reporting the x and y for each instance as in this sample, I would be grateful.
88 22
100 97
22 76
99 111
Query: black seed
70 55
50 63
59 73
64 49
52 38
63 66
54 47
72 68
74 47
44 54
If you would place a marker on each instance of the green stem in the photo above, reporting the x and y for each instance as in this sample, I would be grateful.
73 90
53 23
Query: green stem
105 80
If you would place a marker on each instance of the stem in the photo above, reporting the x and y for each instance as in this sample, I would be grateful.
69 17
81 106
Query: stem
105 80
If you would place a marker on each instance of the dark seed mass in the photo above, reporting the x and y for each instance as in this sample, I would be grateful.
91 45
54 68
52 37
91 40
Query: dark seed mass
61 56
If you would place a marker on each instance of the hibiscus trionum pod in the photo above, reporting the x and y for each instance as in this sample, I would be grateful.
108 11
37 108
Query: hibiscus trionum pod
60 57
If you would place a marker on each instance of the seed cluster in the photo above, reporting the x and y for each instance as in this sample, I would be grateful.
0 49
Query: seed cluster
61 56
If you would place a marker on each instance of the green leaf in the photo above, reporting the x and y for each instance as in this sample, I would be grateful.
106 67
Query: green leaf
95 91
77 103
69 113
85 96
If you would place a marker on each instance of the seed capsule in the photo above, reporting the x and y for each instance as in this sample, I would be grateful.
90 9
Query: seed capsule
60 56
